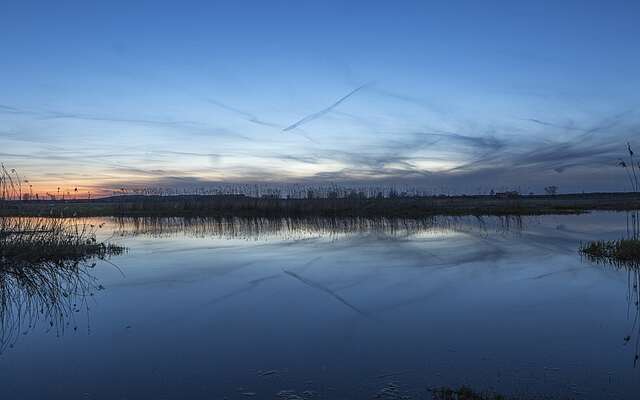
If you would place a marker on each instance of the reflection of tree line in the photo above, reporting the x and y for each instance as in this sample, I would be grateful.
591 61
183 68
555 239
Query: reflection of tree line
290 228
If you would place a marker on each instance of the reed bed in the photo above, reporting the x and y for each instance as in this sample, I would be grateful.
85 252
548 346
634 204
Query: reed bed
402 207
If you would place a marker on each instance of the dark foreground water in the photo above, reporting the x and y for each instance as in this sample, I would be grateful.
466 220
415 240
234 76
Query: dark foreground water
199 309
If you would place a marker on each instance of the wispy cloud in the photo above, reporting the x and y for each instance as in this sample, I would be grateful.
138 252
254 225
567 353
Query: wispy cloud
182 125
603 125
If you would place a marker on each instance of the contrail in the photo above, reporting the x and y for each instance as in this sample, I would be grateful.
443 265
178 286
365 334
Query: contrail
247 116
326 290
553 125
319 114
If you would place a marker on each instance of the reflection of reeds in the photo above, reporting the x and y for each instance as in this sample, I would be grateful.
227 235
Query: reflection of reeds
44 276
287 228
49 292
633 297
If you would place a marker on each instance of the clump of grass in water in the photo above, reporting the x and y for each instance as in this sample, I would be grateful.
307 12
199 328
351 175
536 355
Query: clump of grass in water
36 240
622 251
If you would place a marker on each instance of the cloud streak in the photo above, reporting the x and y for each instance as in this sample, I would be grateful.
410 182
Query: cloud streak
182 125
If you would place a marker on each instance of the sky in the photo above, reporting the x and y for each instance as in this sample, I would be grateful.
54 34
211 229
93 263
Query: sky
456 96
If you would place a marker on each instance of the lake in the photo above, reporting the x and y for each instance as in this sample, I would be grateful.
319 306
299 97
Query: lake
330 309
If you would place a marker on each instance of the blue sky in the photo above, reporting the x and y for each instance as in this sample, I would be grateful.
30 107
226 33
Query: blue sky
464 95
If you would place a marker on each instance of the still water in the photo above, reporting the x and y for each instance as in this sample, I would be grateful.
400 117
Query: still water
330 309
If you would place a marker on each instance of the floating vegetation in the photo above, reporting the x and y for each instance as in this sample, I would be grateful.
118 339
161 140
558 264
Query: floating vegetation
45 274
293 395
392 391
463 393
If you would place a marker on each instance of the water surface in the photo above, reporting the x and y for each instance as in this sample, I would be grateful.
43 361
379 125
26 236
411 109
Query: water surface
203 308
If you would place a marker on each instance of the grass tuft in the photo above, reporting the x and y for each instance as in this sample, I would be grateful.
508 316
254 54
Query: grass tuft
50 240
624 250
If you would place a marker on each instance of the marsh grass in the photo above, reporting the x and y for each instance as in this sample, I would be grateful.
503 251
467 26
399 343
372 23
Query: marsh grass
45 274
10 184
622 251
35 240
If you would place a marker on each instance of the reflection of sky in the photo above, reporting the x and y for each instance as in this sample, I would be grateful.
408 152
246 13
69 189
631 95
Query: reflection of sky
467 96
